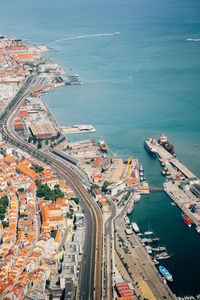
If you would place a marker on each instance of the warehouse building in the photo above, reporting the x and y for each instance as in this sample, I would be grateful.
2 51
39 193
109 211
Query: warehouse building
43 130
66 156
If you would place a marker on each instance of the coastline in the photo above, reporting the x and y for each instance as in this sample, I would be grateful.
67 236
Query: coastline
50 112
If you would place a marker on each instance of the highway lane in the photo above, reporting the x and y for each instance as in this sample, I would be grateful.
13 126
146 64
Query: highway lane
90 286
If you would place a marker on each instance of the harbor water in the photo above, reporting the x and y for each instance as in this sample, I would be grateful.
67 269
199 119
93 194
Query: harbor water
137 84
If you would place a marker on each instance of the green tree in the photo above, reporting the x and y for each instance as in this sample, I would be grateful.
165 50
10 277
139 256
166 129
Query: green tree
69 215
94 186
37 168
76 200
43 190
105 185
39 146
5 224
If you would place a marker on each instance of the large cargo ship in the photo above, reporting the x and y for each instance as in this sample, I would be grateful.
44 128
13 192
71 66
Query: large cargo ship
164 143
150 146
165 273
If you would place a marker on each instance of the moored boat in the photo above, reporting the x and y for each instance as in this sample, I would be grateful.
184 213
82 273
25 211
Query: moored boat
165 273
159 249
137 198
126 219
156 262
141 168
163 255
165 144
164 280
151 146
148 232
149 240
102 145
135 227
198 229
148 248
186 220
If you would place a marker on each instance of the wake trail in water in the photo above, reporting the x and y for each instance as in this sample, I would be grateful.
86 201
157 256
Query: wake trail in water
192 40
86 36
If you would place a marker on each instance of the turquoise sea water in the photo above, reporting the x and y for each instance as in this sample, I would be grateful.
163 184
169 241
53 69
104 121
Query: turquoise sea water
138 84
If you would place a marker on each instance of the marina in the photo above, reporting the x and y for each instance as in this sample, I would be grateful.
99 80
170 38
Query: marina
140 264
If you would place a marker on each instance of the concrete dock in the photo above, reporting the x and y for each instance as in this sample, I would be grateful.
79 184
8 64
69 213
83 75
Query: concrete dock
183 200
78 129
179 188
175 163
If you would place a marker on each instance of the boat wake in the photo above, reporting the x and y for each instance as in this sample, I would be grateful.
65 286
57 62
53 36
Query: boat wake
192 40
85 36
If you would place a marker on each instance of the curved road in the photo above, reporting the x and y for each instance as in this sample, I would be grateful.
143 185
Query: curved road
90 275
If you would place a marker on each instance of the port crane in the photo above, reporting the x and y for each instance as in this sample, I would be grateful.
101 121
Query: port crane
129 165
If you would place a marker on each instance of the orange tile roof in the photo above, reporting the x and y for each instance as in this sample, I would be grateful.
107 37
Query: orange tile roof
58 236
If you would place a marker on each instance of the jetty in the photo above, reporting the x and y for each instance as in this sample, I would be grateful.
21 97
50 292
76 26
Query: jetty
78 129
184 186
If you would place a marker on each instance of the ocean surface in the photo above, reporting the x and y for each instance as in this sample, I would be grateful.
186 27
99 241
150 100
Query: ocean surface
137 85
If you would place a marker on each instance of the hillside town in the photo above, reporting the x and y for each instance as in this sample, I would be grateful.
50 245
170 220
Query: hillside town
39 213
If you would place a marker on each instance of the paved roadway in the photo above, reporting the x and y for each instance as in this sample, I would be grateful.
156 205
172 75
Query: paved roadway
90 283
108 255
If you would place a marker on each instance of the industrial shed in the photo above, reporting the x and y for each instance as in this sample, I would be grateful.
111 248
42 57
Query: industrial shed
43 130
